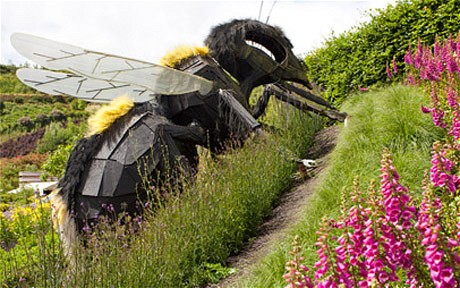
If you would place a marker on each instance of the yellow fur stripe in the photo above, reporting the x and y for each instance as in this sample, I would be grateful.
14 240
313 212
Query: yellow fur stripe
106 115
59 208
65 225
182 52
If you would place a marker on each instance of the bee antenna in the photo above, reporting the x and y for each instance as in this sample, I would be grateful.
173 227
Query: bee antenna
270 13
260 9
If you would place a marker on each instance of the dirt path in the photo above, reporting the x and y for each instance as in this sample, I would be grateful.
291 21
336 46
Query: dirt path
285 213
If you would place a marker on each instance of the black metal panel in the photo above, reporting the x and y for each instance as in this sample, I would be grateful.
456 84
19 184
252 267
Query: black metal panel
131 148
93 180
113 140
140 140
129 183
113 174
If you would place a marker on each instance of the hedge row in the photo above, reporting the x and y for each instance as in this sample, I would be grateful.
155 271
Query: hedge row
357 58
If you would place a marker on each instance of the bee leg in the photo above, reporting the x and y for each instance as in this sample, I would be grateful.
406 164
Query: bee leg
293 95
185 139
261 104
237 113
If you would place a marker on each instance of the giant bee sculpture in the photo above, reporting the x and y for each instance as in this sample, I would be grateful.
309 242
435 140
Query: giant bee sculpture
200 99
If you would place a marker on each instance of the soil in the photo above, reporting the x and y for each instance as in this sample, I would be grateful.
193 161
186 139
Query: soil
287 212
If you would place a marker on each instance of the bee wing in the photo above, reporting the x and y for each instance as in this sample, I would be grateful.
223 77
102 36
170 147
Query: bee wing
101 66
82 87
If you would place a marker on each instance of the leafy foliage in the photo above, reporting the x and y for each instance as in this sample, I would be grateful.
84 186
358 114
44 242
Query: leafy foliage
25 118
27 226
57 134
56 163
357 58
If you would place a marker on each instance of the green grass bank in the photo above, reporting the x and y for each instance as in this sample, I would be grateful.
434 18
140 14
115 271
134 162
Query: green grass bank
389 117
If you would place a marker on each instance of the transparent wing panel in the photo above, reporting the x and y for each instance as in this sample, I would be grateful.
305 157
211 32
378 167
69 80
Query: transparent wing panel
60 56
85 88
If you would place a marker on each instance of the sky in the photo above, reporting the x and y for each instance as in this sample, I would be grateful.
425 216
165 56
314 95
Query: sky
146 30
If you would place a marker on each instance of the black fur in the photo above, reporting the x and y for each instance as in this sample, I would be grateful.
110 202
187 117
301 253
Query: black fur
79 157
225 40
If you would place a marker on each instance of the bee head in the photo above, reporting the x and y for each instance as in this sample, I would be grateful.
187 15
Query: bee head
255 54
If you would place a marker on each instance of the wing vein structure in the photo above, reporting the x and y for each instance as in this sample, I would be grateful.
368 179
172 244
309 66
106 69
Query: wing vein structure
128 75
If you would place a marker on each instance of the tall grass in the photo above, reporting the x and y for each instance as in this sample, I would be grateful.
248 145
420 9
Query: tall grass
386 118
204 224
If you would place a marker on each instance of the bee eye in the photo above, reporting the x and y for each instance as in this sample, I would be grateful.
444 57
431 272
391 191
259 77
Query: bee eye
266 44
260 47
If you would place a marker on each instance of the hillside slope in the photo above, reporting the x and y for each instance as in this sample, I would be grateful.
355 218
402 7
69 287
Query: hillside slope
388 117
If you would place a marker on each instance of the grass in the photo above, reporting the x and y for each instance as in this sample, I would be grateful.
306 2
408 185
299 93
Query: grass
182 241
390 118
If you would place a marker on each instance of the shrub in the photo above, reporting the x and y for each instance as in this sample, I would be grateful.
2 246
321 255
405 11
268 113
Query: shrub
357 58
26 122
26 239
18 100
56 134
42 120
10 177
9 83
78 104
57 115
41 110
56 163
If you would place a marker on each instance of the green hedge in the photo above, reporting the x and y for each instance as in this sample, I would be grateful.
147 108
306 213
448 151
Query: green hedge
358 58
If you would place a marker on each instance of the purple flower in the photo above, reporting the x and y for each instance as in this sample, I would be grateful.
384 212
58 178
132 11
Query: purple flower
433 72
8 245
429 227
452 97
408 57
425 109
389 72
455 128
86 228
452 65
410 79
440 172
418 55
395 66
436 48
452 44
438 117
